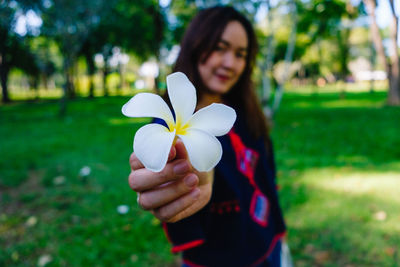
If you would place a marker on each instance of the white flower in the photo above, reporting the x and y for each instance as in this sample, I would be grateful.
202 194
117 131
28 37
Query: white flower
153 142
44 260
85 171
123 209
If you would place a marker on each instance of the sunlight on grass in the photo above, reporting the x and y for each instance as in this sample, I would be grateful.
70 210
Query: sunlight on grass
18 93
376 184
357 87
349 103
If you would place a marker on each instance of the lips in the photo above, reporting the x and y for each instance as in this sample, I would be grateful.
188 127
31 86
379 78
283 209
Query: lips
222 77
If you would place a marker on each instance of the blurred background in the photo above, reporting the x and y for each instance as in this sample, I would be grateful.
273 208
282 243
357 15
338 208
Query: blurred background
327 75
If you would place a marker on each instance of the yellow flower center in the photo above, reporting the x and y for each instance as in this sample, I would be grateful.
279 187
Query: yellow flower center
180 129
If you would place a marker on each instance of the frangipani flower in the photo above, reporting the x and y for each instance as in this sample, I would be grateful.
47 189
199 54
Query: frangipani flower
197 131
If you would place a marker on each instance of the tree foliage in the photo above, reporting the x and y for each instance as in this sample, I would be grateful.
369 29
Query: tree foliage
147 29
14 51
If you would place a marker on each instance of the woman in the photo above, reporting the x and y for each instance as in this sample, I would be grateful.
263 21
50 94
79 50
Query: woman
229 216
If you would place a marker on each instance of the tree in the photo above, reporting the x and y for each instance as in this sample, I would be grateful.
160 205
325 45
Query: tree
394 75
68 22
330 20
288 57
266 64
88 50
14 52
134 26
392 66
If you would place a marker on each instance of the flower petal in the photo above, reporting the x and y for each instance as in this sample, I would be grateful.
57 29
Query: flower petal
148 105
152 144
204 150
182 94
216 119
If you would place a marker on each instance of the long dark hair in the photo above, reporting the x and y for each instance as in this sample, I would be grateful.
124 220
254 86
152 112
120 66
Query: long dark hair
200 40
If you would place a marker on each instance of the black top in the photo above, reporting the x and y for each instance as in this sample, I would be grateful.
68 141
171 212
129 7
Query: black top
243 221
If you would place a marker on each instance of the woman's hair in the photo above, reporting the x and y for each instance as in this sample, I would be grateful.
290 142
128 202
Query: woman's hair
200 40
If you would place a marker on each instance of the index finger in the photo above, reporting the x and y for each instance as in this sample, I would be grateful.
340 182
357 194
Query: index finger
143 179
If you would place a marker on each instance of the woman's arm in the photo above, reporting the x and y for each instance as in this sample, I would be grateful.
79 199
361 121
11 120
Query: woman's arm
178 191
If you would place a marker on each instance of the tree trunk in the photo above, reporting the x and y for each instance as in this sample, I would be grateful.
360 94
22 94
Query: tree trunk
267 65
121 78
45 81
67 85
4 88
288 59
391 70
373 65
4 67
34 86
105 75
376 37
70 84
343 44
107 53
4 79
91 86
394 89
90 68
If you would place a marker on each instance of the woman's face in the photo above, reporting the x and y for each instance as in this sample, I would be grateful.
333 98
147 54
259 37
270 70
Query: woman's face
226 63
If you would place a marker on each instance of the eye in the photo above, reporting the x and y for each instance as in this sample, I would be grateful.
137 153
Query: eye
241 54
220 48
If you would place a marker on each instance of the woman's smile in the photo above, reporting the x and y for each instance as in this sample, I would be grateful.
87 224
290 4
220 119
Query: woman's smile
224 66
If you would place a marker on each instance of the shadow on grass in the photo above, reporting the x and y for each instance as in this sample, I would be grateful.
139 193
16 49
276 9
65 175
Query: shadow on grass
336 137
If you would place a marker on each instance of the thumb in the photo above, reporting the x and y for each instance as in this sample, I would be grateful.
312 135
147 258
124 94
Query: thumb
181 152
172 154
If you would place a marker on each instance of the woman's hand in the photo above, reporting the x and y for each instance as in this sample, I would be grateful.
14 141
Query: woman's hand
176 192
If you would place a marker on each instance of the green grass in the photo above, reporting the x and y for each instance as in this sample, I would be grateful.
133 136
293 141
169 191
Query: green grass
77 221
339 171
339 162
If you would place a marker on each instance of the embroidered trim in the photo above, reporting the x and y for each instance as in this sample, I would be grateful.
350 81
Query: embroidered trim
259 208
178 248
188 245
275 240
191 264
224 207
246 159
164 226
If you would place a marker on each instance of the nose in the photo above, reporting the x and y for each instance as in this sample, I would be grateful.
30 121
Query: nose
229 60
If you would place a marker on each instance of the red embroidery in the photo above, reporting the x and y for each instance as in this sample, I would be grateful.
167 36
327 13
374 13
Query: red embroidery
246 158
225 207
181 247
275 240
192 264
188 245
259 208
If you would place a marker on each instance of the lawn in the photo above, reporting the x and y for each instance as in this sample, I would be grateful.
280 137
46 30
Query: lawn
339 173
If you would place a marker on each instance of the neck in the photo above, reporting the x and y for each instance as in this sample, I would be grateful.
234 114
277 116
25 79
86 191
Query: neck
208 99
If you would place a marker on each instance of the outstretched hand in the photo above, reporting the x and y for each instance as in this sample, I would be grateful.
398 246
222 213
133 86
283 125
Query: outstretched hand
176 192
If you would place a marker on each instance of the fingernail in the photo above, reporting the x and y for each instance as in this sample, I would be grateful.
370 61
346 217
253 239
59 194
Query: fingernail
191 180
181 167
